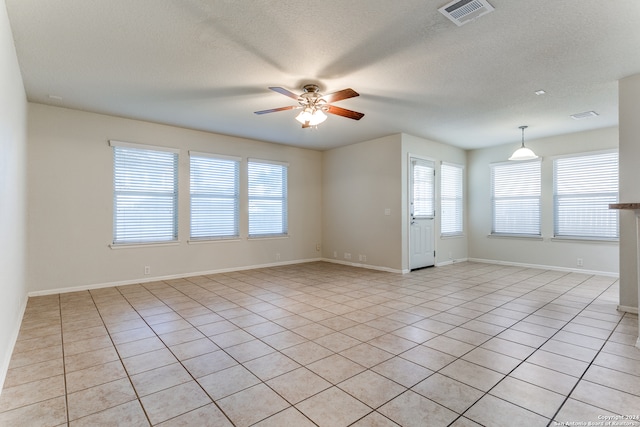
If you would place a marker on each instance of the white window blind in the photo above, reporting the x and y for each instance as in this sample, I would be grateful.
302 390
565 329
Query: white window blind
214 187
423 188
145 195
267 182
583 188
515 189
451 199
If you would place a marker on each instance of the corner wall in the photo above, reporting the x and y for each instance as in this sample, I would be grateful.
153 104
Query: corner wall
365 181
360 182
629 111
13 145
71 203
598 257
448 249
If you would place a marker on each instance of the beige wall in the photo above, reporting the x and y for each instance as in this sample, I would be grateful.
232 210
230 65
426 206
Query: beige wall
360 182
597 257
629 111
447 249
71 203
13 146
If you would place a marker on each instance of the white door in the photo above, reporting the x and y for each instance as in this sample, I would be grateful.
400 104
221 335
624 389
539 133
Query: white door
422 212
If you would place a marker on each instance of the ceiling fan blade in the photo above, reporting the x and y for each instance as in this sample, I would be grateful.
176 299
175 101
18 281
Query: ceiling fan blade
340 95
344 112
285 92
273 110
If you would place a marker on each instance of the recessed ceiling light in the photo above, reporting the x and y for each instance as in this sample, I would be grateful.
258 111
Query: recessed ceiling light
585 115
540 92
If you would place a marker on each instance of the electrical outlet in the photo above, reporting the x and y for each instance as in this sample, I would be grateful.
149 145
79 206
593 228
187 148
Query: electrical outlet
347 255
147 270
335 254
580 262
277 256
318 247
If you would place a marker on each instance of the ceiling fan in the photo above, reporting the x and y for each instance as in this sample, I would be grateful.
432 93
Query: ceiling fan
314 105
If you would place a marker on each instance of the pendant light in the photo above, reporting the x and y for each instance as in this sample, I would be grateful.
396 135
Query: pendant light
523 153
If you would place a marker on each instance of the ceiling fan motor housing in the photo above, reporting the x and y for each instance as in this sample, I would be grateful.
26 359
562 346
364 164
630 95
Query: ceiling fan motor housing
312 97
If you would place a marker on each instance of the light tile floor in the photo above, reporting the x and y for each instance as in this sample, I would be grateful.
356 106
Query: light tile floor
329 345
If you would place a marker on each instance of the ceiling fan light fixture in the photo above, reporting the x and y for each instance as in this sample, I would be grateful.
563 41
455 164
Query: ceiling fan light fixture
314 106
317 118
523 153
305 115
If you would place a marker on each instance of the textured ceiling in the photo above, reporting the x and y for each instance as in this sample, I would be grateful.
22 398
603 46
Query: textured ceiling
206 64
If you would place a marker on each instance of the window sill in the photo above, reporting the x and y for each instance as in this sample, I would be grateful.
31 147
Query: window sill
278 236
585 240
451 236
515 236
142 245
218 240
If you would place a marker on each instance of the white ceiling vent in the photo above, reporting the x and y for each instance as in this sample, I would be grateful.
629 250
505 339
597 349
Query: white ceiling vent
463 11
585 115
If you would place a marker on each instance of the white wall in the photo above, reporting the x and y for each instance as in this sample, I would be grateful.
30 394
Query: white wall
597 257
448 249
629 111
71 203
13 143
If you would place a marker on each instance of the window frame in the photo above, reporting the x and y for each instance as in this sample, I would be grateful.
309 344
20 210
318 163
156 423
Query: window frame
457 198
264 199
169 237
232 194
557 233
534 197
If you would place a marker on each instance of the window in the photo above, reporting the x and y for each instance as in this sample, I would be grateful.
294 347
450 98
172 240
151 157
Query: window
145 194
423 204
515 188
451 219
267 198
214 185
583 188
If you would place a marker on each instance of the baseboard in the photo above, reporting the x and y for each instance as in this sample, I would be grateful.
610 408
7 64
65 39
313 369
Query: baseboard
168 277
451 261
546 267
360 265
12 344
302 261
627 309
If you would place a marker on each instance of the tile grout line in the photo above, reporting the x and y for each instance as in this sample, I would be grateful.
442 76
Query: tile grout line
546 341
568 396
241 290
174 355
535 348
373 410
64 365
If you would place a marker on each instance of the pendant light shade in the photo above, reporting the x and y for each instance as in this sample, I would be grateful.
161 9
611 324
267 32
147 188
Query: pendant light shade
523 153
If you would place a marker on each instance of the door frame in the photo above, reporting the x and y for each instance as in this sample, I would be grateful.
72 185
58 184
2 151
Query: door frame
409 180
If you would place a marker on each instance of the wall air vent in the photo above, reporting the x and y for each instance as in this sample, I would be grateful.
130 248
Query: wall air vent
463 11
585 115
